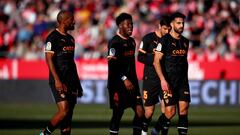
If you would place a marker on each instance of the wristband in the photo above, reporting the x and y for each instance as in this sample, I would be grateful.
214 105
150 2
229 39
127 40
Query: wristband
123 78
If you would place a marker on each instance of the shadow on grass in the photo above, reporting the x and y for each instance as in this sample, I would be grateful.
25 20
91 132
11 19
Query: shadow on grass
36 124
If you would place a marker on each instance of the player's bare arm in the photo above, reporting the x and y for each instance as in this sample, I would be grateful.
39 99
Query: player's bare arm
58 84
157 65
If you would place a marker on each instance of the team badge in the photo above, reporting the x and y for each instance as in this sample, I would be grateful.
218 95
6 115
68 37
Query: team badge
112 52
185 45
48 46
141 45
159 47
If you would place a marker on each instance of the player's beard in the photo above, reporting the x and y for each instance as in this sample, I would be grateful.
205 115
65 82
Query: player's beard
70 27
178 30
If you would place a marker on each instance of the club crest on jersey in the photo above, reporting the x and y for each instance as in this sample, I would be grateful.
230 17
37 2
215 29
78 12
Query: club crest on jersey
48 46
185 45
159 47
141 45
112 52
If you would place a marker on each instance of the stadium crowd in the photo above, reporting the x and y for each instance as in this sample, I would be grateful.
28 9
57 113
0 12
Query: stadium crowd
212 26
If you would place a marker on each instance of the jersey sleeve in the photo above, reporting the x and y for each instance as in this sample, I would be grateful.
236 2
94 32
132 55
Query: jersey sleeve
144 56
113 51
50 45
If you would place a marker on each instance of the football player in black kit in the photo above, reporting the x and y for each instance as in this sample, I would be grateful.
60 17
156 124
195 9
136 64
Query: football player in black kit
170 62
63 77
122 79
151 84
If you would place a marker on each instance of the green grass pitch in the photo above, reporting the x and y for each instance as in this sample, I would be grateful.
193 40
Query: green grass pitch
28 119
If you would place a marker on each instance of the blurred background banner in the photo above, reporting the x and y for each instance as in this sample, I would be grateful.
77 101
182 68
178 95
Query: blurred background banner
211 83
96 69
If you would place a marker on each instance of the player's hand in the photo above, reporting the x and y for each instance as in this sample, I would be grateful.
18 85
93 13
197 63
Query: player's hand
128 84
164 85
60 86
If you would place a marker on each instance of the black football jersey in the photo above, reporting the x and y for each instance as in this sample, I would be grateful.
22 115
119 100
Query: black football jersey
146 54
121 53
63 59
174 59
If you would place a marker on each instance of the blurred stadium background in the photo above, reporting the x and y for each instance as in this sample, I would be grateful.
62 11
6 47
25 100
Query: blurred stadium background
214 60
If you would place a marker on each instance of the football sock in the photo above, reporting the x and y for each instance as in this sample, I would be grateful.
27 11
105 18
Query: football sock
65 133
115 121
49 129
165 125
146 122
137 125
158 125
182 125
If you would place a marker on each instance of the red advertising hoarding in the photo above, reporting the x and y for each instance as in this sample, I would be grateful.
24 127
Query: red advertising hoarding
96 69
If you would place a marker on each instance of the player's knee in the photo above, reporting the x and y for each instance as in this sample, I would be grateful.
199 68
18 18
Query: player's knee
183 111
140 112
63 113
148 113
170 113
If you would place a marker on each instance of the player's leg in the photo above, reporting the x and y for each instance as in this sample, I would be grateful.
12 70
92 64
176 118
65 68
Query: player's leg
62 105
183 118
158 126
170 101
150 97
57 118
170 111
147 119
66 123
138 117
183 105
115 120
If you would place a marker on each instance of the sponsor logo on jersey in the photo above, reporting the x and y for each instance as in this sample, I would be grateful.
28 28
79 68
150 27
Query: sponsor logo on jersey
68 48
63 40
48 46
179 52
174 44
155 42
128 53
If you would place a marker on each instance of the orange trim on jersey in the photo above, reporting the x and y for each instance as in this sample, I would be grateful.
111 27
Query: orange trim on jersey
121 36
49 51
141 50
158 52
111 57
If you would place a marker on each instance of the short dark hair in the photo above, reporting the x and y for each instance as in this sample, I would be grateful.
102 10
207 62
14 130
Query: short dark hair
122 17
164 20
177 15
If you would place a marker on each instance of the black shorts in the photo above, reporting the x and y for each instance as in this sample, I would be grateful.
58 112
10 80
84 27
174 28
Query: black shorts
179 87
152 92
122 98
69 96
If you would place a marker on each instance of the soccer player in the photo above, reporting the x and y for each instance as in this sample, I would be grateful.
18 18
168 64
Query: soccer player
122 79
170 62
63 78
151 85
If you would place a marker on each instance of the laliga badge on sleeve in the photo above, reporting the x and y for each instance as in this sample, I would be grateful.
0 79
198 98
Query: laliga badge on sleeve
112 52
48 46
